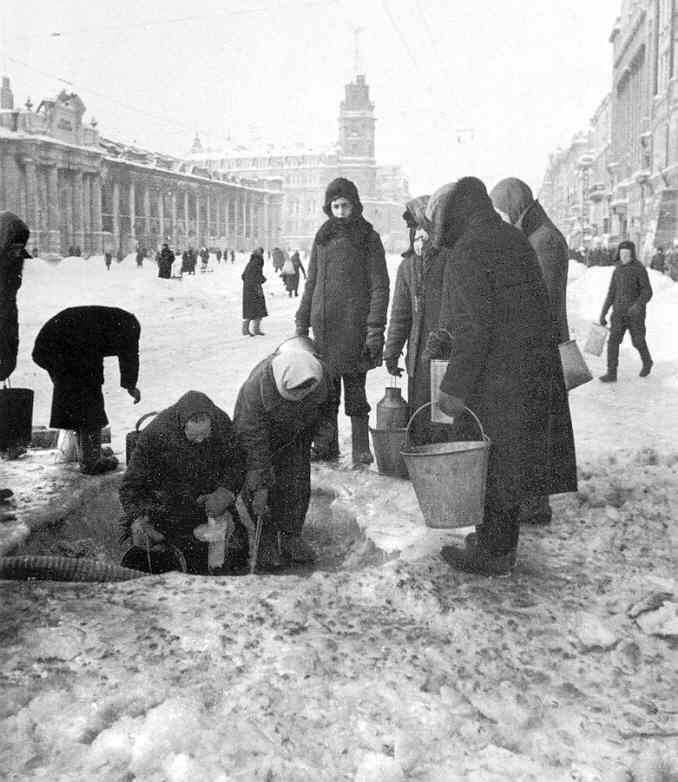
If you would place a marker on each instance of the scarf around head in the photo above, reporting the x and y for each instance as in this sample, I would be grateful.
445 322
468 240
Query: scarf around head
512 197
296 373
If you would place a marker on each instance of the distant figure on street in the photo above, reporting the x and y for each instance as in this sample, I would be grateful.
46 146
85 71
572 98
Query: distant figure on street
253 299
290 273
185 467
628 294
345 301
108 259
141 252
204 259
278 259
77 251
658 262
165 262
71 346
232 256
218 254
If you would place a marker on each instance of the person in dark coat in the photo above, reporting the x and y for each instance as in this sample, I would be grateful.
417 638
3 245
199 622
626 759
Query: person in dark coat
141 254
513 199
108 259
184 469
345 301
253 299
298 268
658 262
415 309
279 258
204 259
165 262
628 294
14 235
71 346
505 366
276 415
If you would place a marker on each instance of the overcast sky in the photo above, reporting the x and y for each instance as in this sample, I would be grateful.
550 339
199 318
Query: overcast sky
523 75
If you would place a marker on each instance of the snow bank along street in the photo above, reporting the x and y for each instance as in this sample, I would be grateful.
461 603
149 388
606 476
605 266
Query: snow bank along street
383 663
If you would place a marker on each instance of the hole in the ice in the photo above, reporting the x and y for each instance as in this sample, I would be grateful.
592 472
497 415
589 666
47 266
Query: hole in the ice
91 529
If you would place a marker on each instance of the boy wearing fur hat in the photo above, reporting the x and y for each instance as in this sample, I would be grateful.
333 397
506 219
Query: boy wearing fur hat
345 302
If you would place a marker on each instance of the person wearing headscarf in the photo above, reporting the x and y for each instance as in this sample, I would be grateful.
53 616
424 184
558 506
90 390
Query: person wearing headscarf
513 199
276 414
72 346
345 302
504 365
415 308
165 262
628 295
185 468
253 299
14 235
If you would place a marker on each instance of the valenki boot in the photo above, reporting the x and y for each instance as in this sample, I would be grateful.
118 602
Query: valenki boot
360 440
257 328
246 329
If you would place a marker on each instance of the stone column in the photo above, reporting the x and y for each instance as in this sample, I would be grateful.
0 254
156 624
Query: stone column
161 214
267 223
217 218
227 219
12 181
244 220
174 233
116 217
97 224
197 219
78 232
87 214
132 214
53 232
208 218
32 217
147 215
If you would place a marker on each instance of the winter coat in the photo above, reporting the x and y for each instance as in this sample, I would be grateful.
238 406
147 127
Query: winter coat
253 299
629 288
346 291
71 346
13 230
514 198
504 360
167 472
165 263
278 258
658 262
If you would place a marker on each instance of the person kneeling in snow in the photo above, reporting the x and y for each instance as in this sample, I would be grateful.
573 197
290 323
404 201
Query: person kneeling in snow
185 468
276 414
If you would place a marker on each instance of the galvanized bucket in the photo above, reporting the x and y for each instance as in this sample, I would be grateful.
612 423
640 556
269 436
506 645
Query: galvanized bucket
16 416
388 444
449 479
575 371
596 339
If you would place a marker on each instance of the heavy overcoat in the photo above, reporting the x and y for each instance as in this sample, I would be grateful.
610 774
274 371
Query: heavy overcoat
167 472
13 230
71 346
504 360
275 436
346 290
253 299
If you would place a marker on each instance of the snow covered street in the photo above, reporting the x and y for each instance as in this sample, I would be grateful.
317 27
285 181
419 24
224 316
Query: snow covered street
383 664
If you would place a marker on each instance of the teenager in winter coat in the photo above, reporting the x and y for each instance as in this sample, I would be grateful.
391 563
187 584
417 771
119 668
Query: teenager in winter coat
415 309
253 299
185 467
276 415
505 366
14 235
345 301
514 200
629 292
165 262
71 346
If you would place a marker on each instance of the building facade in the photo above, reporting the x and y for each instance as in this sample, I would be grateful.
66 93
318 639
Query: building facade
632 144
306 172
77 189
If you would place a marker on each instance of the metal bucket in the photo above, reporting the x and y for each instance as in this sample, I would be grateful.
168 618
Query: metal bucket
132 437
449 479
438 369
596 339
575 371
388 444
16 417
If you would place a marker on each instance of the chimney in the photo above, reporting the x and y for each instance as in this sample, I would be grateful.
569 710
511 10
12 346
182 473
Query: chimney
6 94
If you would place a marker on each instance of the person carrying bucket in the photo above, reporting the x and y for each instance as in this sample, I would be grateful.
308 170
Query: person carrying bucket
504 365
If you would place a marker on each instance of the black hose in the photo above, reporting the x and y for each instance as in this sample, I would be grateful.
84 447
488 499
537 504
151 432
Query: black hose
63 569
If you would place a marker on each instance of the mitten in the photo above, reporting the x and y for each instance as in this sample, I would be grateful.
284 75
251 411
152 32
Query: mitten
392 366
374 345
301 331
438 345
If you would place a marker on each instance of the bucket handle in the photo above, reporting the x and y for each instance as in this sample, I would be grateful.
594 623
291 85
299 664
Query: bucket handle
143 418
429 404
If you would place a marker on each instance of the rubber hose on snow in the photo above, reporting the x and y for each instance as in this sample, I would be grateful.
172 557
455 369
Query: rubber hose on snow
63 569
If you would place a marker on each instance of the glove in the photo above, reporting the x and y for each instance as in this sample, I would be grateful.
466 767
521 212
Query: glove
301 331
603 320
392 367
216 502
438 345
450 405
374 345
260 501
144 533
135 394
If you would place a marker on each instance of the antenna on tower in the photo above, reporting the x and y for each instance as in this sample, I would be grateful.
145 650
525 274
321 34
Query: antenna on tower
358 68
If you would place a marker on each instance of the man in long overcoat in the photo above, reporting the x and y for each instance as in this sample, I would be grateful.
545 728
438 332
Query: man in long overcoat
513 199
505 366
71 346
276 414
253 299
14 234
185 467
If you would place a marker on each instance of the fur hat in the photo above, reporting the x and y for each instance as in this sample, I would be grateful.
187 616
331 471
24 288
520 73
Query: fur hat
342 188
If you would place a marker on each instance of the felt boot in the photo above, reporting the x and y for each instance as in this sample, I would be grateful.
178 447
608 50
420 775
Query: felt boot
360 440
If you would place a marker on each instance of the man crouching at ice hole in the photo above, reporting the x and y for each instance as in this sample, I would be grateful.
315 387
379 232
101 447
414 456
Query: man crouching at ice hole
185 468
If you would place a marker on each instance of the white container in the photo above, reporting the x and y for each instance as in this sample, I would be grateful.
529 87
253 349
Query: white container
438 369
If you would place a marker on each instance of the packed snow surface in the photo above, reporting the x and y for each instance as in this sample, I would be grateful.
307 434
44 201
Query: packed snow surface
392 667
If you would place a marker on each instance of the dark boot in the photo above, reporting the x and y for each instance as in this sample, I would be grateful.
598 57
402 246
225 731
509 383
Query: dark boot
246 328
325 446
647 366
360 440
257 328
296 549
609 377
92 461
475 559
